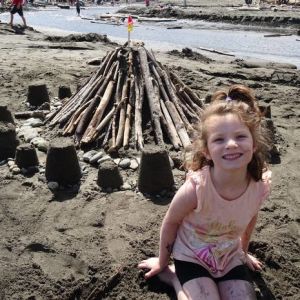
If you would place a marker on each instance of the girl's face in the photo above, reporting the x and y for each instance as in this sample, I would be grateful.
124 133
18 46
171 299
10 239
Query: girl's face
229 142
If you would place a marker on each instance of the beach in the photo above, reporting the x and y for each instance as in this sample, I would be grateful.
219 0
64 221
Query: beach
87 244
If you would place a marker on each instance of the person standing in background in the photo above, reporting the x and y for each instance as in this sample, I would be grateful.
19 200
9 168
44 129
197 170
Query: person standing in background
17 7
78 8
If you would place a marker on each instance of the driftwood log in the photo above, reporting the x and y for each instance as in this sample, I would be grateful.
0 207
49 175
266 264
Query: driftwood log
129 93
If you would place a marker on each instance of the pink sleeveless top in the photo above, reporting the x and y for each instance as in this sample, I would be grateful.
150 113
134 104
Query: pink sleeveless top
211 234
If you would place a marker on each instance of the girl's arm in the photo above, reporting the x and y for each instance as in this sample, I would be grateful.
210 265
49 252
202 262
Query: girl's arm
252 262
182 204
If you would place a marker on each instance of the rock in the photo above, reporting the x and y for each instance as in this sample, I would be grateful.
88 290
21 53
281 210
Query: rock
88 155
104 159
125 163
53 186
133 164
96 157
125 187
33 122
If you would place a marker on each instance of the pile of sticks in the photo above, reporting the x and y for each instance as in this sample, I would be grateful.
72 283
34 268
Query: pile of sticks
110 106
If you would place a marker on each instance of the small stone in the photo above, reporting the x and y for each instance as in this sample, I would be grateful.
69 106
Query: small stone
125 187
53 186
2 162
117 161
103 159
11 163
88 155
133 164
96 157
125 163
15 170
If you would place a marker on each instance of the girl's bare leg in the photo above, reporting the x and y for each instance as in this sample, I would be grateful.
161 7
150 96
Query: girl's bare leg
236 290
202 288
197 289
169 277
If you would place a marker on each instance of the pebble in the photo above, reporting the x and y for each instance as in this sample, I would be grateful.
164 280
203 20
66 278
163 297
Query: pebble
96 157
88 155
53 186
2 162
125 187
103 159
134 164
125 163
15 170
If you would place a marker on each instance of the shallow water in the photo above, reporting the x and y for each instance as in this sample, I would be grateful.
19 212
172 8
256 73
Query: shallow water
238 40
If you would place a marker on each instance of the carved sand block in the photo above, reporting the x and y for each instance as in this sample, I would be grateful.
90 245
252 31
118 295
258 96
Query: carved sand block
62 164
37 94
64 92
5 115
26 156
155 172
109 175
8 140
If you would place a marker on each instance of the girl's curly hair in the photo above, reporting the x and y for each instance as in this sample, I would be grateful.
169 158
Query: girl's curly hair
239 100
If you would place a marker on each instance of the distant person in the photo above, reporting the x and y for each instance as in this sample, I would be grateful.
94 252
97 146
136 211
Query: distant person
209 223
78 7
17 7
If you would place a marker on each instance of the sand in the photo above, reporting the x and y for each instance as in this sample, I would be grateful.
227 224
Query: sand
87 244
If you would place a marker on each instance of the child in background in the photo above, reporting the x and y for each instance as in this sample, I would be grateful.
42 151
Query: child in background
17 7
78 7
208 225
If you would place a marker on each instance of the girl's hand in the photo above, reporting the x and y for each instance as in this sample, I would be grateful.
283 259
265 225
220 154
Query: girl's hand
153 265
253 263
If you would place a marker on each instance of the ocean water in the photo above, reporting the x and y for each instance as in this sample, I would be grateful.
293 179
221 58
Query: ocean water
241 41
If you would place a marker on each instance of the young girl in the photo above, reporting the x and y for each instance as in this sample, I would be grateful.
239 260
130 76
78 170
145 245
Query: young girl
209 223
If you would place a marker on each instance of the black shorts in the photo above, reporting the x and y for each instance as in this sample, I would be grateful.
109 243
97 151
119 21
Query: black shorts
17 10
187 271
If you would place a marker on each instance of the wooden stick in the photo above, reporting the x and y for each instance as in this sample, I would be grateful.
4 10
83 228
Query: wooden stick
178 124
89 112
152 99
128 113
191 94
124 100
139 94
98 113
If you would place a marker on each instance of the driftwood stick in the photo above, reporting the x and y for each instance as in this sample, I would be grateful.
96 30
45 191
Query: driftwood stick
128 113
160 83
152 99
89 112
122 116
98 113
187 100
71 125
127 126
174 99
31 114
172 132
110 62
168 127
105 120
191 94
178 124
138 134
107 134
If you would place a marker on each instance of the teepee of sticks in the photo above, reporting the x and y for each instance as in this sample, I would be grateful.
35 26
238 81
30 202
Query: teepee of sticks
130 86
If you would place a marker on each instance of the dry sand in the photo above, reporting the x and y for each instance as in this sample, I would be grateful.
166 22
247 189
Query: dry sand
68 246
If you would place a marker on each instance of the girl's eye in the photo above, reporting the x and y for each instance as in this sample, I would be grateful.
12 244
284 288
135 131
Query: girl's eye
218 140
241 136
